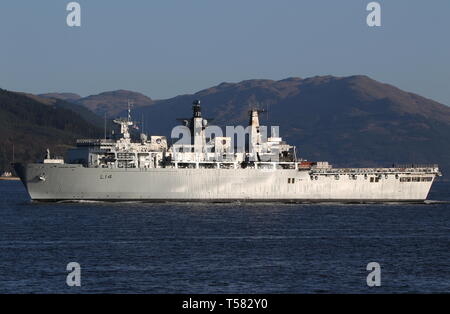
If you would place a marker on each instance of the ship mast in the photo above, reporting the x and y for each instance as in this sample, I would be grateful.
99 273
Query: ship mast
198 127
125 124
255 132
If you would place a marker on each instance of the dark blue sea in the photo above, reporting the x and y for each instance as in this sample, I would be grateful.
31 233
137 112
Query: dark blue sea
223 248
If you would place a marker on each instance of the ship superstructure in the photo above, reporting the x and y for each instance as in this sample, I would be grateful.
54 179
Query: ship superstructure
207 166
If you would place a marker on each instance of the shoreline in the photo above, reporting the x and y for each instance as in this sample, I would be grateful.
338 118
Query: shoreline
9 179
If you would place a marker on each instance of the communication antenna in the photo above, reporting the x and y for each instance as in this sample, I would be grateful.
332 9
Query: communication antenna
13 157
130 103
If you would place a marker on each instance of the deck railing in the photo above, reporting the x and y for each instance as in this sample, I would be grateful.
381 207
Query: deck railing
396 169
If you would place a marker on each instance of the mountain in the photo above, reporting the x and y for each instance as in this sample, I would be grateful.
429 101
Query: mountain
81 110
114 102
349 121
111 103
70 97
32 126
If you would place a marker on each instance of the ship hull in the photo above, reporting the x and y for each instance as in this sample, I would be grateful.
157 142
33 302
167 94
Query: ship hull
66 182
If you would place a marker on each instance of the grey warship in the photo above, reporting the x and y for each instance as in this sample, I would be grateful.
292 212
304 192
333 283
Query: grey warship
209 169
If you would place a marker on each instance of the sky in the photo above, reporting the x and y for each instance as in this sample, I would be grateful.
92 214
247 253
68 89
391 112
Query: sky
165 48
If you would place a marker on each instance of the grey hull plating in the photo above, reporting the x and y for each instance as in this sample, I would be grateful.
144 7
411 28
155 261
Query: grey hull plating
72 182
